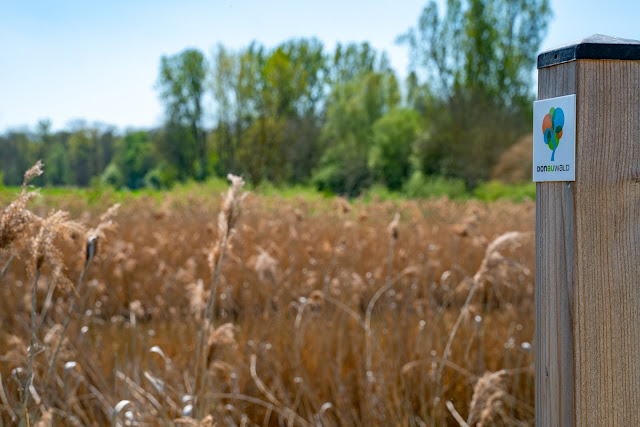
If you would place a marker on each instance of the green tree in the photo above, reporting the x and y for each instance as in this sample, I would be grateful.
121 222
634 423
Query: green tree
352 109
56 161
236 87
302 128
71 157
418 95
225 70
90 149
134 158
465 137
182 87
104 137
477 59
268 109
391 146
486 46
17 154
80 153
175 146
352 60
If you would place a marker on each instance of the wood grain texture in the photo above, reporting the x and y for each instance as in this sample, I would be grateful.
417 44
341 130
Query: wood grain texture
588 254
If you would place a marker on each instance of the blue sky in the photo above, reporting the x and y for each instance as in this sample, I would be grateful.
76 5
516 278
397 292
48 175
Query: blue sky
98 61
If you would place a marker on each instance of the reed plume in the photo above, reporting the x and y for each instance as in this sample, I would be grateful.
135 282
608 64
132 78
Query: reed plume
15 219
488 401
227 218
92 236
44 250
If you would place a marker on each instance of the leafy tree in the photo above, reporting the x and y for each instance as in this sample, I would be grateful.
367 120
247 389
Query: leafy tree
225 70
352 110
175 146
294 77
134 158
391 146
112 176
301 132
104 137
236 85
17 154
71 158
182 86
80 152
486 46
418 95
268 109
54 151
353 60
477 59
260 150
262 142
90 150
466 135
56 161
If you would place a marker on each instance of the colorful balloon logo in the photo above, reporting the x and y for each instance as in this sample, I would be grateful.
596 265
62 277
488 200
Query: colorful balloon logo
552 125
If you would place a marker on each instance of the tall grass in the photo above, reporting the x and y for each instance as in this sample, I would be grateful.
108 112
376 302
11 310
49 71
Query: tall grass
301 311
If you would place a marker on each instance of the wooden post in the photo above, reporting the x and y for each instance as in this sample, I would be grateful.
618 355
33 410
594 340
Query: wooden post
587 339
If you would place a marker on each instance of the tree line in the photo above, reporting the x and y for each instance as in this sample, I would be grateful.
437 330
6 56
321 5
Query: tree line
340 120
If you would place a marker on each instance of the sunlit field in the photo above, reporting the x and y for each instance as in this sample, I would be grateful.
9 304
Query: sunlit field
201 308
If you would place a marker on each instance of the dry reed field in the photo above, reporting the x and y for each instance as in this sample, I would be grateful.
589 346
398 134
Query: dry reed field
240 309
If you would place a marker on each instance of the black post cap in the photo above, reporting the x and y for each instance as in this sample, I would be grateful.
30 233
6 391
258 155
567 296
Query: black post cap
596 46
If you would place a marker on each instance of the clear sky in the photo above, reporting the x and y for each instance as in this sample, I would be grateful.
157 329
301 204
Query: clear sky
98 61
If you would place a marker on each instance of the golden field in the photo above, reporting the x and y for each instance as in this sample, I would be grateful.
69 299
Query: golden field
196 308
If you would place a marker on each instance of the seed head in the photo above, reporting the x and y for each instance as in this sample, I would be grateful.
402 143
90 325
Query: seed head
136 308
393 227
34 171
197 298
316 299
46 420
231 205
56 225
16 220
94 234
488 401
266 266
222 337
343 205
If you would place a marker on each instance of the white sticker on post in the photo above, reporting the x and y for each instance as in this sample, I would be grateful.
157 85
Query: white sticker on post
554 139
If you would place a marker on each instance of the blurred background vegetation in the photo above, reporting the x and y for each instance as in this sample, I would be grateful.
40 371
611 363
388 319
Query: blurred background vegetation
340 121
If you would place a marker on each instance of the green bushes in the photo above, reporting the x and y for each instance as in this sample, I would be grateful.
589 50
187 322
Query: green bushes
420 186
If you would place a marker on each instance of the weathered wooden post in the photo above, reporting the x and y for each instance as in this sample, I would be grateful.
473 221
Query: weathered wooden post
587 339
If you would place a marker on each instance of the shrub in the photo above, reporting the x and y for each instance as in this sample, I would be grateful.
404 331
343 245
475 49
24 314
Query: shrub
494 190
420 185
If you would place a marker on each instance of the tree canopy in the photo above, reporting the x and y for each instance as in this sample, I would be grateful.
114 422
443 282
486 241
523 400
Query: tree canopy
298 113
475 64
